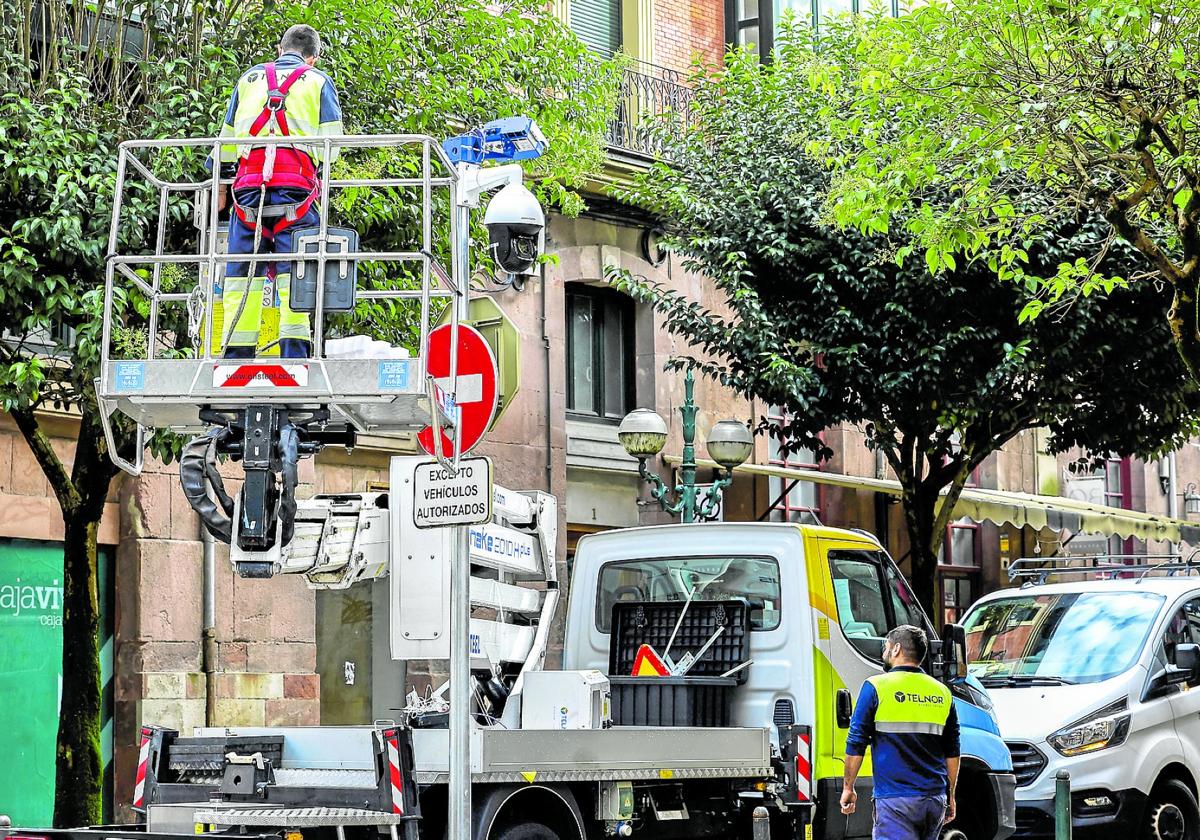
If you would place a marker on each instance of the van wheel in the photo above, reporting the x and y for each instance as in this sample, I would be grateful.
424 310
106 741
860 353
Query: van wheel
527 831
1172 813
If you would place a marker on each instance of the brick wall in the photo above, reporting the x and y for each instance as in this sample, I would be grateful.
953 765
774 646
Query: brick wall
685 30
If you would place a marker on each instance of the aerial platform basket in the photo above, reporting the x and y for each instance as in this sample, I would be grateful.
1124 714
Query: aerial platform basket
168 382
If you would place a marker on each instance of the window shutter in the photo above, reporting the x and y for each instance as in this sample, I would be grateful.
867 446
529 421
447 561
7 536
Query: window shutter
598 24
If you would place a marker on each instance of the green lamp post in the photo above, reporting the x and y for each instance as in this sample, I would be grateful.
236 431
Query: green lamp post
643 434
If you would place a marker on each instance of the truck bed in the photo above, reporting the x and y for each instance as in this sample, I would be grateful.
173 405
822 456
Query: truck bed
528 755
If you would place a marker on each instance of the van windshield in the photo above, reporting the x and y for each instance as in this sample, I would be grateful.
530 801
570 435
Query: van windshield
676 578
1064 638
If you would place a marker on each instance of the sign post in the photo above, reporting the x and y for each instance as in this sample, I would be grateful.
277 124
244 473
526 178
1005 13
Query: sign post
463 368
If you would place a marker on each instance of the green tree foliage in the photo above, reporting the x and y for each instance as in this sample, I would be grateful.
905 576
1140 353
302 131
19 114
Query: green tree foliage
74 84
938 371
942 118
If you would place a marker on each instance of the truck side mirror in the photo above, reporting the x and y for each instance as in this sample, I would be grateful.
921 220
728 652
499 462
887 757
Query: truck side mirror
1187 659
844 706
954 649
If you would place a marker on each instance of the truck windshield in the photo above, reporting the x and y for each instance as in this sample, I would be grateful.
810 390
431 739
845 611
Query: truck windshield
675 578
1070 637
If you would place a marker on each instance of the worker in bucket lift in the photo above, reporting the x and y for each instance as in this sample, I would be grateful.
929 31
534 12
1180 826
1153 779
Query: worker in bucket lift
275 187
908 720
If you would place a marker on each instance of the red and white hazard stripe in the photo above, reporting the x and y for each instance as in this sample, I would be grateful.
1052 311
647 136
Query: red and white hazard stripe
392 738
139 787
804 767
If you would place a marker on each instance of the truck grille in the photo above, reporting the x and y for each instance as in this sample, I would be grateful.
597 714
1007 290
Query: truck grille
1028 762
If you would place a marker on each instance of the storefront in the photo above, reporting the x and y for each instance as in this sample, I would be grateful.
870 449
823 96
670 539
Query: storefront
31 613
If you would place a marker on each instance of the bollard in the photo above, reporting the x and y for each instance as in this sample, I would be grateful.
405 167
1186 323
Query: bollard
761 821
1062 805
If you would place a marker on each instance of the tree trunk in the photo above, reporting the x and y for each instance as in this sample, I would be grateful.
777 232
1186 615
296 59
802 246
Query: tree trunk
1185 325
81 495
77 794
920 512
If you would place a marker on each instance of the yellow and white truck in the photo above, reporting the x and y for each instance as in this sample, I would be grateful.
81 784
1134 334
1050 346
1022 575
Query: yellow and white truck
546 763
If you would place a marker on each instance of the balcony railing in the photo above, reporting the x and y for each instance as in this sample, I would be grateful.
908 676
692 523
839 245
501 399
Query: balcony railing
649 95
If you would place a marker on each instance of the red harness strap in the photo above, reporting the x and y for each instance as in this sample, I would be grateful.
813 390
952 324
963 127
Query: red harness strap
288 167
277 99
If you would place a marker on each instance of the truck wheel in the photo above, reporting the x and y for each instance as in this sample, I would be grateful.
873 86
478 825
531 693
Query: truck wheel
527 831
1172 813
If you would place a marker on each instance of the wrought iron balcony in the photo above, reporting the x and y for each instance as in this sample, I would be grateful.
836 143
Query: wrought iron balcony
649 95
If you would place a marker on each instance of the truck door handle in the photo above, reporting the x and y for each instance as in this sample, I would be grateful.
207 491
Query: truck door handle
844 704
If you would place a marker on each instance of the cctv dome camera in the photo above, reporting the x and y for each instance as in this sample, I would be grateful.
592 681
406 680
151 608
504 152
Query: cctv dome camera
515 222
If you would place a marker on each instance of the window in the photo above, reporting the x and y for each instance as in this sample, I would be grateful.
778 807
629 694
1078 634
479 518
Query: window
599 353
959 565
702 578
860 580
1074 637
791 501
1117 494
750 22
822 10
1182 629
598 24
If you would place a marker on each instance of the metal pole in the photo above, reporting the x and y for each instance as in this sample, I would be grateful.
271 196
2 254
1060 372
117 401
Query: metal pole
687 468
1062 805
459 815
761 824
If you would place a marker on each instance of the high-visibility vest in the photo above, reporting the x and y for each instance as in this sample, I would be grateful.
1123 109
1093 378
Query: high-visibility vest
911 702
276 166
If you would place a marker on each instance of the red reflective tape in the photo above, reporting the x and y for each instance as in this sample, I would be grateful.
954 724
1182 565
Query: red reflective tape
803 768
139 785
393 745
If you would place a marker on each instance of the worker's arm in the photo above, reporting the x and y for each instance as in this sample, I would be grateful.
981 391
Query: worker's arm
331 124
230 154
950 746
860 736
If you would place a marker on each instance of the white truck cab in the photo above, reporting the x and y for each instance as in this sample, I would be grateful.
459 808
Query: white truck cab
822 599
1097 678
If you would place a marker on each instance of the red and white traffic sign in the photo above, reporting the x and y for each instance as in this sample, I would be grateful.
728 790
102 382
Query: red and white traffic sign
475 400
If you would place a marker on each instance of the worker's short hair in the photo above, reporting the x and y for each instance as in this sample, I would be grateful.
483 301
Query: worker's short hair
912 640
302 39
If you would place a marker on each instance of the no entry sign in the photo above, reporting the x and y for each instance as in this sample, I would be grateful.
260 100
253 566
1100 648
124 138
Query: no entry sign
475 400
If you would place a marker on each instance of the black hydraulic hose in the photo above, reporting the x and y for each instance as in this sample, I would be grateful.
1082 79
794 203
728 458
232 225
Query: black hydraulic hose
198 474
289 452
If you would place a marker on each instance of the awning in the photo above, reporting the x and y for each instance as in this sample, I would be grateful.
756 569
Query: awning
1003 507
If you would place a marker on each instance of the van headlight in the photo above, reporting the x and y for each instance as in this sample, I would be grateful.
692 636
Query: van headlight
1104 728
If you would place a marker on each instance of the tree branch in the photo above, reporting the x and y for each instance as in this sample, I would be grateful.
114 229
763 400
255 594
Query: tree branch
48 460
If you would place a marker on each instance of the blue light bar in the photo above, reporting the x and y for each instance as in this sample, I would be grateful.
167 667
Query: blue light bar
506 139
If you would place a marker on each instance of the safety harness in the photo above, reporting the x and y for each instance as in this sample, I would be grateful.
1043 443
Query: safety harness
274 165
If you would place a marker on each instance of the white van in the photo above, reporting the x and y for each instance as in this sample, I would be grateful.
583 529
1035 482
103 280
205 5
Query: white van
1097 678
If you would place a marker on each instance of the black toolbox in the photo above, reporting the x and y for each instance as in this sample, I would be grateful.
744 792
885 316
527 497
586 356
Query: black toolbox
702 697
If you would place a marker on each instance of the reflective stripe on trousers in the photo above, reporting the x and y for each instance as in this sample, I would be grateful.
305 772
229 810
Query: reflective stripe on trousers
245 332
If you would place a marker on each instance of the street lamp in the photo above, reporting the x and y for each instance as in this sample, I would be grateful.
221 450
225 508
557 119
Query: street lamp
1191 501
643 434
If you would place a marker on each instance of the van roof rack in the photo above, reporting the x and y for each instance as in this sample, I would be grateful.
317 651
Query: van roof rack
1032 571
